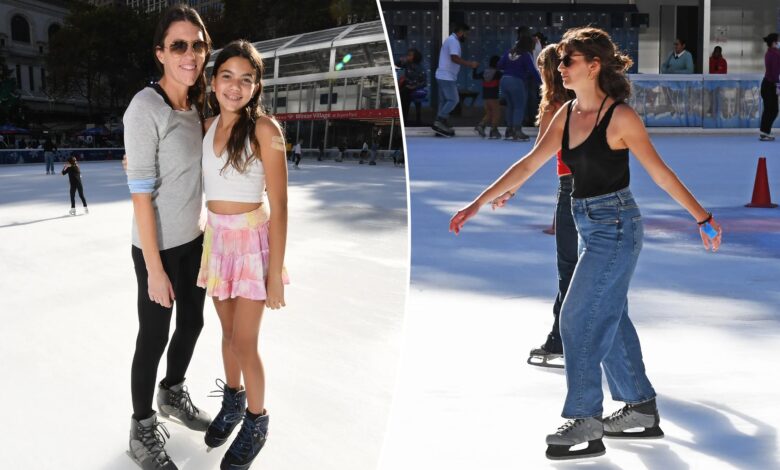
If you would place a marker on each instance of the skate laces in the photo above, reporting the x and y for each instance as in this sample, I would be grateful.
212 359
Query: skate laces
231 405
568 425
182 401
153 439
620 414
242 446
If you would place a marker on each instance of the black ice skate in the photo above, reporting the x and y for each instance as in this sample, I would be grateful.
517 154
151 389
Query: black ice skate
494 133
634 422
480 130
174 402
575 432
147 444
233 408
247 444
550 354
441 127
519 135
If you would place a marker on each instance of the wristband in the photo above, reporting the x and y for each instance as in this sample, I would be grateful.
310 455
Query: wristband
709 230
709 217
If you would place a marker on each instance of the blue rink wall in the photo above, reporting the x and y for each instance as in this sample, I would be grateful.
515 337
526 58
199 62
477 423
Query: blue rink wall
708 101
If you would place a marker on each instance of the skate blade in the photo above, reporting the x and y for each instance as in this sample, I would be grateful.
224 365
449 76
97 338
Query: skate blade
595 449
442 133
545 362
648 433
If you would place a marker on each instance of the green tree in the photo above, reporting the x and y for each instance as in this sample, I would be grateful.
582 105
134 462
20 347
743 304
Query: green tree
11 107
101 54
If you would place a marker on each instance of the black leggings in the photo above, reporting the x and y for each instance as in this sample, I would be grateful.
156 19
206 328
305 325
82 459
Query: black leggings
181 264
769 96
73 188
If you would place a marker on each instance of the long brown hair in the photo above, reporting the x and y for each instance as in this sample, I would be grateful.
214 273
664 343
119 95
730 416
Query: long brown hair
244 126
197 92
553 92
595 43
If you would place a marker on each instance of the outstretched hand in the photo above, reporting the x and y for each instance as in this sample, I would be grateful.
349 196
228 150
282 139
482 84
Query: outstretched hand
710 242
501 200
459 219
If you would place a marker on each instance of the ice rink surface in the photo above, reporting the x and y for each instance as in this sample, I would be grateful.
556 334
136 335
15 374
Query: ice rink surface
69 323
709 323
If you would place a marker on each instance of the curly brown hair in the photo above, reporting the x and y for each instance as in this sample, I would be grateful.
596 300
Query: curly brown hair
595 43
552 90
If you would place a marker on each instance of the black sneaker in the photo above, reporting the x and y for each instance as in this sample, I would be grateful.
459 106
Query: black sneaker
175 402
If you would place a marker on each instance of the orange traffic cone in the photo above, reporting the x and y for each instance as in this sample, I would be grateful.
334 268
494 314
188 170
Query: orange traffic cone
761 197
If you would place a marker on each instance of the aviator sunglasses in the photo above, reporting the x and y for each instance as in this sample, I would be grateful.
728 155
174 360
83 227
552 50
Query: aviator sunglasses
179 47
567 59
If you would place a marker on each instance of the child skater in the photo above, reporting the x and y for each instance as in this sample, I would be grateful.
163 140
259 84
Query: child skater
553 96
74 176
490 77
243 248
595 327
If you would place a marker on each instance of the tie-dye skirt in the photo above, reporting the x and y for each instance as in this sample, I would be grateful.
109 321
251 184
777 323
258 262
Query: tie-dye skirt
235 255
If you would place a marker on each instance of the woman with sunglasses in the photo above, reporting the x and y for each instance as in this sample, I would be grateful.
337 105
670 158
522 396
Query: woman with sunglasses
595 132
163 133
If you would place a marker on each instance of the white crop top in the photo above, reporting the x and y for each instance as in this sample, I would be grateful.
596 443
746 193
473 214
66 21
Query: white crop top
230 185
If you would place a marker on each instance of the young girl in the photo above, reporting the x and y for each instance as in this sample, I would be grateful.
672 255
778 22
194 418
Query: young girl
243 249
553 96
490 77
595 133
74 176
163 132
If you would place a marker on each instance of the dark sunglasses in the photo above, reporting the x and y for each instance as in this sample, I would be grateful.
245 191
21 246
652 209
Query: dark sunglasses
567 59
180 47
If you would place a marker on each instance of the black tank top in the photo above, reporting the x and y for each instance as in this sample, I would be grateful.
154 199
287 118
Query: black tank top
597 169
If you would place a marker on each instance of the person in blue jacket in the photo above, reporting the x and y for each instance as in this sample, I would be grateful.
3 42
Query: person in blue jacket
519 74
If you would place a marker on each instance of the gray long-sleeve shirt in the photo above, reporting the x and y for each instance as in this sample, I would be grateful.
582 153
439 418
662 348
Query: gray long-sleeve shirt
164 149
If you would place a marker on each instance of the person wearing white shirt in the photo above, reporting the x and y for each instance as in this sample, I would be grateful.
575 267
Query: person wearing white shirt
679 61
447 76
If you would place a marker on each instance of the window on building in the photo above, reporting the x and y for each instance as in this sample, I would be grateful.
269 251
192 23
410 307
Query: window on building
43 78
53 30
32 78
324 98
18 76
20 29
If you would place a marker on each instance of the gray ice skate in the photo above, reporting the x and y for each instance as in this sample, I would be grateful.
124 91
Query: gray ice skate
147 444
634 422
574 432
174 402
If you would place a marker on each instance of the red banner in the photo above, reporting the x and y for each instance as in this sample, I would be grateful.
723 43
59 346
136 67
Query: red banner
355 114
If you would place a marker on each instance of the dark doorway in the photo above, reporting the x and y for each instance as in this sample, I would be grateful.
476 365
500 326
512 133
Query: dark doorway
687 28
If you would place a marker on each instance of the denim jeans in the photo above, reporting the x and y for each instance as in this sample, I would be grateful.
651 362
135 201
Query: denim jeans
514 90
49 156
595 327
565 247
448 97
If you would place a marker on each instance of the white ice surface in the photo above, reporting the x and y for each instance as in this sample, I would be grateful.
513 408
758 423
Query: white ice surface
709 323
69 323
